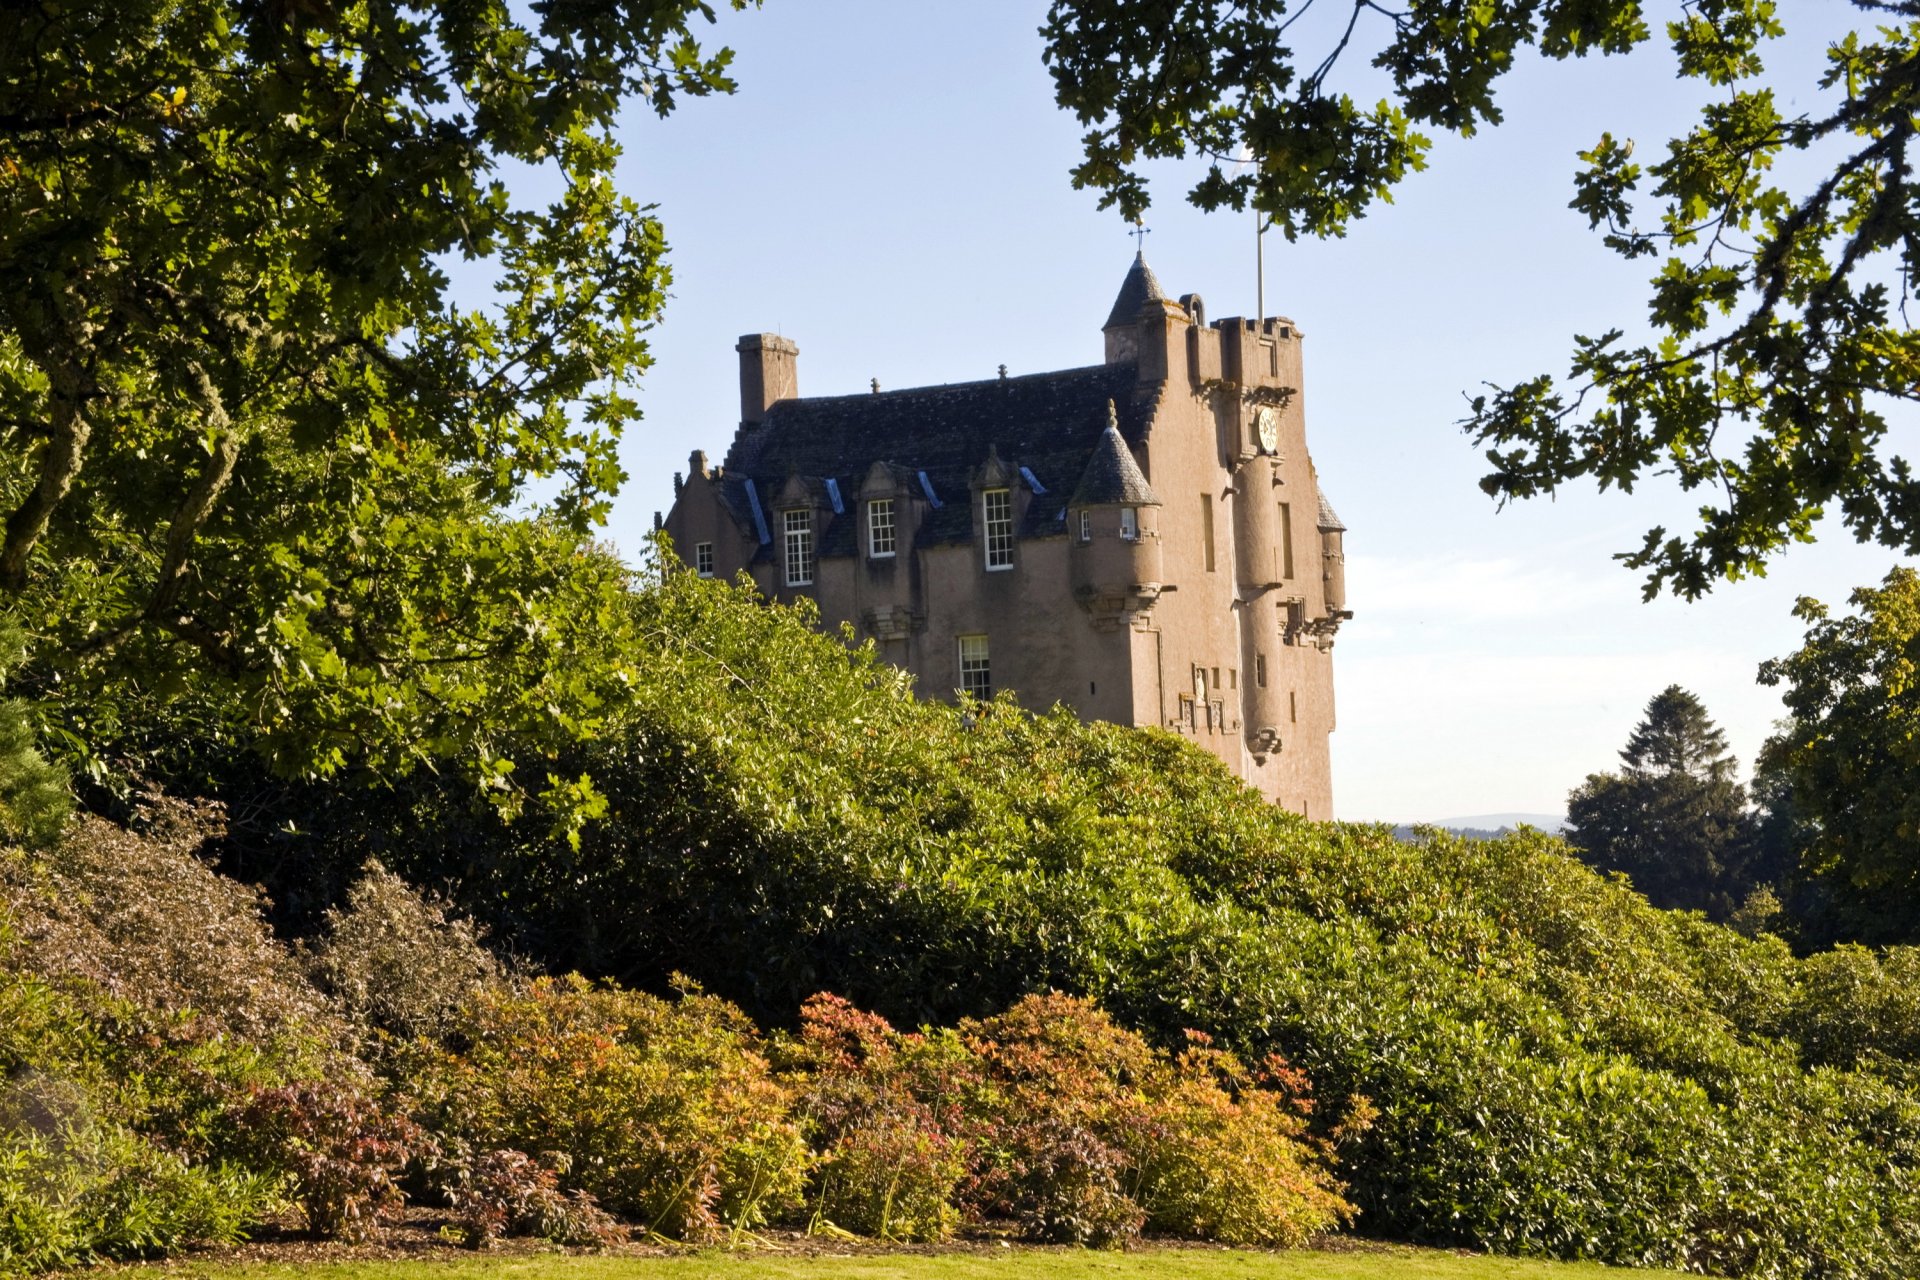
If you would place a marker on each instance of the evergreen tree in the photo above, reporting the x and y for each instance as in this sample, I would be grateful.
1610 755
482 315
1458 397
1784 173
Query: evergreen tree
1674 820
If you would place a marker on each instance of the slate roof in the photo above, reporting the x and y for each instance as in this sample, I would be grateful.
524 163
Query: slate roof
1049 423
1135 291
1112 477
1329 520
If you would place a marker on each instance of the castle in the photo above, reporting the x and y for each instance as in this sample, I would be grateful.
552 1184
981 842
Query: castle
1143 540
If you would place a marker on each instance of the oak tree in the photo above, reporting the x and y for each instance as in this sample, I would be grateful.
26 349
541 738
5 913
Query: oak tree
1776 343
262 465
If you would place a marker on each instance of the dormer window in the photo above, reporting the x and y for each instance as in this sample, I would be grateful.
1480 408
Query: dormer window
880 540
997 507
798 528
1130 523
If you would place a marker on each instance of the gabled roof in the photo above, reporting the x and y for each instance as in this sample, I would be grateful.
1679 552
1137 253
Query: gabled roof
1112 477
1048 423
1136 291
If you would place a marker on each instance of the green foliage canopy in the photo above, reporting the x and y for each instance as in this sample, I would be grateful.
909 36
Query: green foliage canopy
1850 750
251 444
1778 335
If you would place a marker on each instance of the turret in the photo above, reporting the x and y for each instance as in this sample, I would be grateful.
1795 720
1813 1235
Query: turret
1122 328
1333 561
1113 521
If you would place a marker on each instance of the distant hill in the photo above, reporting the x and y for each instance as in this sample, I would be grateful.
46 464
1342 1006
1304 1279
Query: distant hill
1486 825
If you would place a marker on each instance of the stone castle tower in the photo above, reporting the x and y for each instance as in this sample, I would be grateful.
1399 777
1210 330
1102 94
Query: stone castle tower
1143 540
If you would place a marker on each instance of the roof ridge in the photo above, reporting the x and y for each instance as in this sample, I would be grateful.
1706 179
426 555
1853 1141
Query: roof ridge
865 397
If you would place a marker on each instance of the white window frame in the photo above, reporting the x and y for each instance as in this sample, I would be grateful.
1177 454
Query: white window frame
881 535
1129 524
976 667
1086 526
703 559
997 527
797 527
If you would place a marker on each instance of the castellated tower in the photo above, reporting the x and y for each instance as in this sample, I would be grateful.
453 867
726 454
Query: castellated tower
1144 540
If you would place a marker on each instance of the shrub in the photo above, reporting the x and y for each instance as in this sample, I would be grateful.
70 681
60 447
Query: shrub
664 1111
94 1192
1559 1068
342 1149
510 1193
105 1119
1853 1003
1225 1153
1053 1115
395 962
137 914
1063 1093
884 1110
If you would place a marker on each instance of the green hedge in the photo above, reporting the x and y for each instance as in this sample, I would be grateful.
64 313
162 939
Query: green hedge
1558 1067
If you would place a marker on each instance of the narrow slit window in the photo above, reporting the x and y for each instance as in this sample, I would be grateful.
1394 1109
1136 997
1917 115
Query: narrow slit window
703 559
880 529
1293 707
1206 527
997 506
976 671
1260 669
798 526
1086 526
1286 540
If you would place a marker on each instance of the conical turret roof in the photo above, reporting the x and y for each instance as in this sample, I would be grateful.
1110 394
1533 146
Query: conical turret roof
1112 477
1136 291
1330 520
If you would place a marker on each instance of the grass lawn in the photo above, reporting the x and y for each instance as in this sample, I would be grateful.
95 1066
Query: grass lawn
1037 1264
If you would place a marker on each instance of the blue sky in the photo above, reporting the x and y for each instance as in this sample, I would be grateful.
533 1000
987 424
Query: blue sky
889 189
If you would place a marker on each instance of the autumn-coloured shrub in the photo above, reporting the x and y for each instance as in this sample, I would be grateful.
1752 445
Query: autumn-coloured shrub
510 1193
342 1148
666 1112
885 1111
1064 1092
1054 1116
395 962
1226 1155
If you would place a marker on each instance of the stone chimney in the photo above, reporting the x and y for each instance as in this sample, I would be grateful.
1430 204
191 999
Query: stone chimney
769 373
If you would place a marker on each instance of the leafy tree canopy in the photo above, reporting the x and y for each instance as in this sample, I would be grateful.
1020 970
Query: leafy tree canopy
1850 749
1779 341
255 456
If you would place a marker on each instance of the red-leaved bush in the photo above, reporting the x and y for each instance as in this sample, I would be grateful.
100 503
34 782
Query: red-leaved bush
342 1148
505 1192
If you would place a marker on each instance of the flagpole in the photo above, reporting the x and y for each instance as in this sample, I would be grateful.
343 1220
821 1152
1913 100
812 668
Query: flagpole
1259 269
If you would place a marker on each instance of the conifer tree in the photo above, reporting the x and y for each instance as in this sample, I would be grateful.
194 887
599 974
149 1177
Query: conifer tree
1674 820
